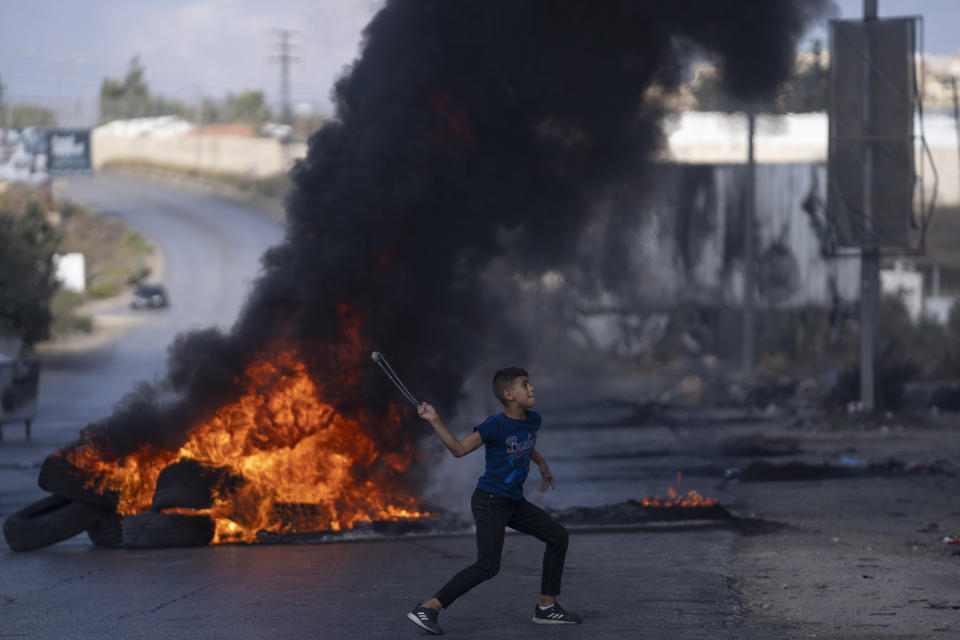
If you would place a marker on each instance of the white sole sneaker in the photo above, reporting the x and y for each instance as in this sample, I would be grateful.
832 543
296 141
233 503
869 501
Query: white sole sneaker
417 621
554 615
537 620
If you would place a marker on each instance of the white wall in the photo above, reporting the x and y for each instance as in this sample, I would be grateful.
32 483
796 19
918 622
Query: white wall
253 157
704 137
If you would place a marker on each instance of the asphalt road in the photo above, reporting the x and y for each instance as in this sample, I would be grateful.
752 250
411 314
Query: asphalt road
211 249
626 583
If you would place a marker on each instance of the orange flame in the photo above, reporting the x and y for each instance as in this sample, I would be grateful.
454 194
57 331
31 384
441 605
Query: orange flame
303 466
675 499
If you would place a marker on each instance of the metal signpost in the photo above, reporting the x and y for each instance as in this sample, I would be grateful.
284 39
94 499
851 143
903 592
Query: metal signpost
871 166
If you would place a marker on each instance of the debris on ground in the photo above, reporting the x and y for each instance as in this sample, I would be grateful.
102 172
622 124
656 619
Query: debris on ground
845 467
633 512
757 445
934 466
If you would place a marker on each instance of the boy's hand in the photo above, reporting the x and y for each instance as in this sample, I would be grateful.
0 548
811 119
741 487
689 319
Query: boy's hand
427 412
547 478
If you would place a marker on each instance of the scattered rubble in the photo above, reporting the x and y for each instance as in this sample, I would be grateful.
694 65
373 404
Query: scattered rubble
634 512
757 445
945 396
847 467
934 466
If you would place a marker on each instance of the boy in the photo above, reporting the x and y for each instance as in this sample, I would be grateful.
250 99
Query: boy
498 500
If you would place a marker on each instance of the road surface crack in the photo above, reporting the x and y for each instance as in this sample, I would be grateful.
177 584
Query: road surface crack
167 603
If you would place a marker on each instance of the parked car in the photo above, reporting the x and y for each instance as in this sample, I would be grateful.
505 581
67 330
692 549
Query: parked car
149 296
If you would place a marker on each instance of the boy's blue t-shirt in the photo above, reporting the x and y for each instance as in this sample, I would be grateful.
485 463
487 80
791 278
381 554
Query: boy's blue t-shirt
509 445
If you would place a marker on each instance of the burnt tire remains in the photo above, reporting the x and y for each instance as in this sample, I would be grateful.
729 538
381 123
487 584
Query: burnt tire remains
48 521
107 532
187 484
159 530
63 479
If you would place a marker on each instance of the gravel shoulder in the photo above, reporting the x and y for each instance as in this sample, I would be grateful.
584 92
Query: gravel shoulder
855 557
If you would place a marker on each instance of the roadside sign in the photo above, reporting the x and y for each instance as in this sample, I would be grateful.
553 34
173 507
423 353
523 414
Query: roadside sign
35 154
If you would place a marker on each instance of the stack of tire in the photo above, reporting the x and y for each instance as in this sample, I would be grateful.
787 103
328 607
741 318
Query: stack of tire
72 508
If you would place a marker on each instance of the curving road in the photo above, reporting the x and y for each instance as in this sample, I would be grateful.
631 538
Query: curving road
211 249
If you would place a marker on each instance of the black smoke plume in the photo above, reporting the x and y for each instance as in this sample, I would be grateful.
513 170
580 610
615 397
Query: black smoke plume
466 131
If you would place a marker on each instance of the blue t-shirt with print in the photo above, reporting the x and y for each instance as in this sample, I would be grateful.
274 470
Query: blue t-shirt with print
509 444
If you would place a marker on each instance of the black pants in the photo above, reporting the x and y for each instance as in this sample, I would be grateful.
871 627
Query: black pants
493 514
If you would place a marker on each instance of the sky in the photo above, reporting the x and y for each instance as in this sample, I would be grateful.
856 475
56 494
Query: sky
940 35
56 53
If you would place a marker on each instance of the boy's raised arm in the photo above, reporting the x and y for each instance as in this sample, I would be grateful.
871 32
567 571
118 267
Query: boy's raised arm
458 448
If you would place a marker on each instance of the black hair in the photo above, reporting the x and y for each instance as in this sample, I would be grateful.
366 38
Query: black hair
503 378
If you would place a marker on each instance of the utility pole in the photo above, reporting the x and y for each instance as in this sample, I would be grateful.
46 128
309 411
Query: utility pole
3 110
749 330
956 106
869 251
200 124
285 55
59 111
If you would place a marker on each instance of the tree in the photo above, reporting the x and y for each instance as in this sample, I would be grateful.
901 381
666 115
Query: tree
127 98
31 115
131 98
160 106
3 108
247 106
27 273
209 110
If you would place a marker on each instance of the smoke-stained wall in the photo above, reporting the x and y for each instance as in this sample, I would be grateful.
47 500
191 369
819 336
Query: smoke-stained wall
681 230
683 239
696 240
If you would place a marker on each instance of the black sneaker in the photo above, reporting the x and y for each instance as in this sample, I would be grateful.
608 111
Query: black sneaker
554 615
426 618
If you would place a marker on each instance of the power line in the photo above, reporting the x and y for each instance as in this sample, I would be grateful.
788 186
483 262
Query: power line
31 67
3 111
285 55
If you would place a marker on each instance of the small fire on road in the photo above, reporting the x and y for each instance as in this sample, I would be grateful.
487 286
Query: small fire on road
674 498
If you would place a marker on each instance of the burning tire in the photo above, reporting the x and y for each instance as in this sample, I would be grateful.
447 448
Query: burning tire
159 530
189 485
303 516
48 521
63 479
107 532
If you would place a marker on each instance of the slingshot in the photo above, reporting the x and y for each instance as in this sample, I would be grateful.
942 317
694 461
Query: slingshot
381 360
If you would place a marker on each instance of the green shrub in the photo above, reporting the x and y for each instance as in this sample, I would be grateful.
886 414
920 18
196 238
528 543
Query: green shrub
103 288
137 242
27 275
64 306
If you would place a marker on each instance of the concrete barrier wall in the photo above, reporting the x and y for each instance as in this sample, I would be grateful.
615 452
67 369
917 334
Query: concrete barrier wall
689 240
947 163
254 157
720 138
693 138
